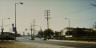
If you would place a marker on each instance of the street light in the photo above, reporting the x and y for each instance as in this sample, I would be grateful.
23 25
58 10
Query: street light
2 26
15 19
69 21
69 26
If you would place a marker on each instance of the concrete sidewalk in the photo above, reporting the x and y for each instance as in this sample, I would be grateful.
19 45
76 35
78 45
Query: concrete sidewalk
89 42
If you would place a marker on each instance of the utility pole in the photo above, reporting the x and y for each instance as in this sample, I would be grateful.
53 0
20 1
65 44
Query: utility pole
32 38
31 33
47 14
34 29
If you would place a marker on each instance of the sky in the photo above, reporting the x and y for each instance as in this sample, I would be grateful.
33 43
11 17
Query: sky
80 12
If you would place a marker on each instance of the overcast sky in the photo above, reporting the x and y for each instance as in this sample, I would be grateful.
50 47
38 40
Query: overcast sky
80 12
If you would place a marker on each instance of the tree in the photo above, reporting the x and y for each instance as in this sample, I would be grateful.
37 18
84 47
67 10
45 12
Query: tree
48 33
40 33
57 33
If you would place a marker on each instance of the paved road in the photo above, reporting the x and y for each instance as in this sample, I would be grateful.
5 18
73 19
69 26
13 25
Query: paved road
66 44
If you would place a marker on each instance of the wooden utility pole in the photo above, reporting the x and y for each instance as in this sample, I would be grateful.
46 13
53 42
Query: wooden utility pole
47 14
34 29
31 32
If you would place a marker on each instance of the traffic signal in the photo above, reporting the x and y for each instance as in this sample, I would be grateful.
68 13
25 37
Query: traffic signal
14 29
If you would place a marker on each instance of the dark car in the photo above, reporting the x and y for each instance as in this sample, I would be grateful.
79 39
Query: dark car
9 38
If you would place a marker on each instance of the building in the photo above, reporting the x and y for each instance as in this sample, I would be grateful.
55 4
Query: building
58 35
63 31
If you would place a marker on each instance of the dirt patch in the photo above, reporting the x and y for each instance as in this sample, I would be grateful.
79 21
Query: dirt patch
13 44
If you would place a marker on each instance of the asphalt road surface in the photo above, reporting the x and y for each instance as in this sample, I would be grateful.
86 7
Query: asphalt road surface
56 43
